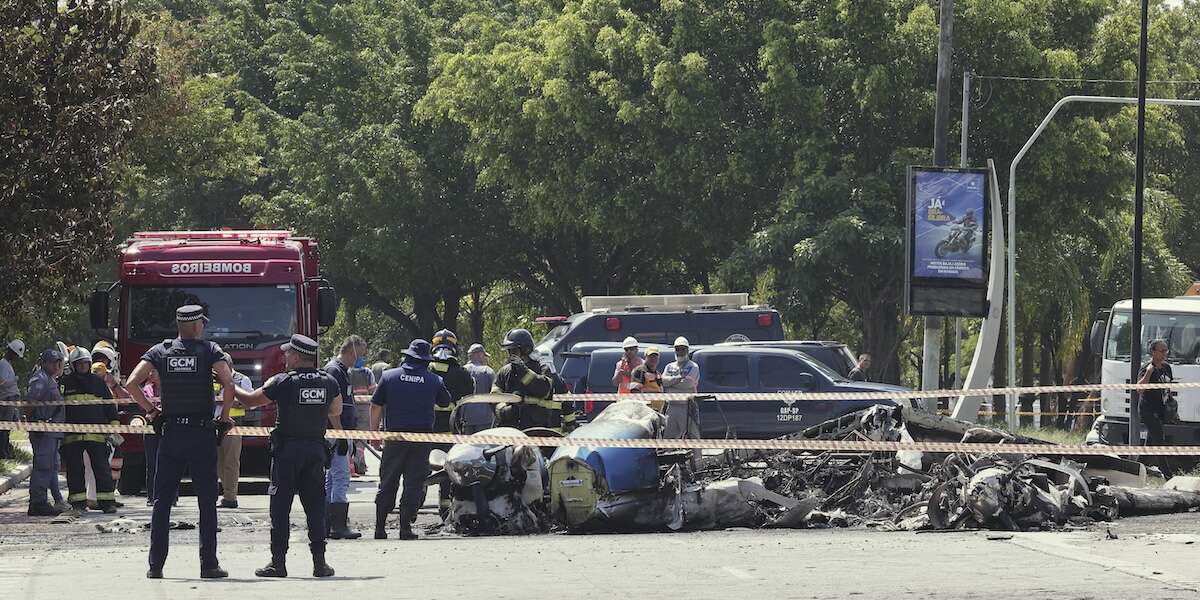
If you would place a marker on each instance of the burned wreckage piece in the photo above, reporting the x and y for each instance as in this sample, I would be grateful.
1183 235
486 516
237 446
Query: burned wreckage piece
494 490
991 492
514 490
636 489
619 489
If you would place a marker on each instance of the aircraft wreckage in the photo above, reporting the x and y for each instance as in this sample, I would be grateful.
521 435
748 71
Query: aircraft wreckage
516 490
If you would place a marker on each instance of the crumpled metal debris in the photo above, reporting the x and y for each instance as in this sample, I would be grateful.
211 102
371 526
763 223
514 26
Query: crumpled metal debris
126 525
891 491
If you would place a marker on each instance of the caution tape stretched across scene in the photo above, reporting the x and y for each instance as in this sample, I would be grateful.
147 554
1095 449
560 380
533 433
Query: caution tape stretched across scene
713 444
775 396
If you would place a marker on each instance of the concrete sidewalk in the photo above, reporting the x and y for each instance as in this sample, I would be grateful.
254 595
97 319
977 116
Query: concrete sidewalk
21 473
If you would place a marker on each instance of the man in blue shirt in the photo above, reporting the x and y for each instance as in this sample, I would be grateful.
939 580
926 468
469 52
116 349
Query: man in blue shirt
43 388
337 479
404 401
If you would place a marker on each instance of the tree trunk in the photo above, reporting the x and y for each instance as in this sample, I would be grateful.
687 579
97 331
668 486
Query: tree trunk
451 308
352 315
1028 356
476 315
881 337
1047 377
946 379
425 309
1076 374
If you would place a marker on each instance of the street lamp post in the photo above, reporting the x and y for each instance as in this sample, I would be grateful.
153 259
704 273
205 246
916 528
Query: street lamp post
1012 225
1139 190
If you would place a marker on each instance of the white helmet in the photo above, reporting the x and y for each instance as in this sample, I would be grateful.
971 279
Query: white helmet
17 347
629 342
681 341
78 354
106 352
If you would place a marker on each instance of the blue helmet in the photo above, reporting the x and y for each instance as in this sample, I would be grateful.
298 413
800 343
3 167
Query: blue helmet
418 350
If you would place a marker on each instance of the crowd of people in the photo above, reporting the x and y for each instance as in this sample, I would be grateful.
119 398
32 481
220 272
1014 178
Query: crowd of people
190 393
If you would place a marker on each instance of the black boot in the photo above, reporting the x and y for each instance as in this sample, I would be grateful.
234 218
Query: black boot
339 528
213 573
276 568
328 519
42 509
320 567
381 515
406 520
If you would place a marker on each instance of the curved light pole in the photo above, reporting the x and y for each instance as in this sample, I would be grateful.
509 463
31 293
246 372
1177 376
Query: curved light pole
1010 409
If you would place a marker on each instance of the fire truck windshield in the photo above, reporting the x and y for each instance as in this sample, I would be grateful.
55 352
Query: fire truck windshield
251 313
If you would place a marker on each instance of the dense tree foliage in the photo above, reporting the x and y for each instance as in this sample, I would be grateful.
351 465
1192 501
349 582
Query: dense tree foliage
73 75
477 162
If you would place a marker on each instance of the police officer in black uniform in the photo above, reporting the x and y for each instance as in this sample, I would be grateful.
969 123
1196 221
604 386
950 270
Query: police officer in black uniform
189 433
534 383
308 401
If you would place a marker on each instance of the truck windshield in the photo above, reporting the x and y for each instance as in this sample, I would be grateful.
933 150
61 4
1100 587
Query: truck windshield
1181 332
260 313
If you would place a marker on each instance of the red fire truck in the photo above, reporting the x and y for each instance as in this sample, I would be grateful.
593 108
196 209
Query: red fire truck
258 288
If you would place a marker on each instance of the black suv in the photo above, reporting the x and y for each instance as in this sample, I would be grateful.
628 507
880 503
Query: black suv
726 369
835 355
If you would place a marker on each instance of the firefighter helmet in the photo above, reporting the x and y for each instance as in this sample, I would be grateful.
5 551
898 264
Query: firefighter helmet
518 338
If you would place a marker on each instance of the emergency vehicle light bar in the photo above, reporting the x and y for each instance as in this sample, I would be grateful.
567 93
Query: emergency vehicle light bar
257 234
663 302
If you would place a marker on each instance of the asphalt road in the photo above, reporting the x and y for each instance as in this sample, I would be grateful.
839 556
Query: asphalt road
1150 557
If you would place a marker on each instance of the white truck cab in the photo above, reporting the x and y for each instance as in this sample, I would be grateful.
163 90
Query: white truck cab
1176 320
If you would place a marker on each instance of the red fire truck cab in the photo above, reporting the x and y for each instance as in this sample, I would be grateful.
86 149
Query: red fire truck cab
257 287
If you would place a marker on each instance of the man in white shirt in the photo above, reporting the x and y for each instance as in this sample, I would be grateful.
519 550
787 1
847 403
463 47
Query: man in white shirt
8 391
682 377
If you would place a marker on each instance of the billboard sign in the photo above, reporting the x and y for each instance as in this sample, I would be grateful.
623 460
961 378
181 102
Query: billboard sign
947 241
948 212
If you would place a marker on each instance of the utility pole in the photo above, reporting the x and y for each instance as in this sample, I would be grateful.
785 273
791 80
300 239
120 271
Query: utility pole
1139 189
962 162
931 351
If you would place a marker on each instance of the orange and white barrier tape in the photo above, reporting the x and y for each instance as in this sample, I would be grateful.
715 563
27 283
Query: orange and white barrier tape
714 444
767 396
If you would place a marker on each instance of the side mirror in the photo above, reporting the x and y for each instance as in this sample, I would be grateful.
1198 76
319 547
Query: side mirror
437 459
806 381
98 310
1096 337
327 305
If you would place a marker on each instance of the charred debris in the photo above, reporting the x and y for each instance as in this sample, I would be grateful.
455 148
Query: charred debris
922 491
518 490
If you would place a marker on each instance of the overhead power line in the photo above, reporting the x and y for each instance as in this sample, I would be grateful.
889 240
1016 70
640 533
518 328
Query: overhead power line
1078 80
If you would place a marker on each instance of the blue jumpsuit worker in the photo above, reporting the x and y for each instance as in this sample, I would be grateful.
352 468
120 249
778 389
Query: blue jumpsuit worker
337 480
189 435
460 384
43 389
86 388
306 400
407 395
534 383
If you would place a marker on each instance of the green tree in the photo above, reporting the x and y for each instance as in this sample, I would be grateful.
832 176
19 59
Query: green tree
403 228
74 74
194 154
633 140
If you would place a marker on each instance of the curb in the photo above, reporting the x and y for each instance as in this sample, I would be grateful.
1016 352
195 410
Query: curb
15 478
